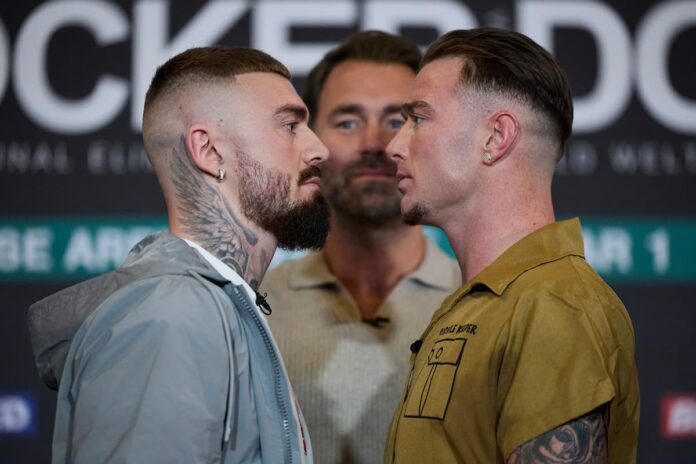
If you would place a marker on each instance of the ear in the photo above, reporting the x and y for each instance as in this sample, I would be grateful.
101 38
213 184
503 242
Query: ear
203 153
503 131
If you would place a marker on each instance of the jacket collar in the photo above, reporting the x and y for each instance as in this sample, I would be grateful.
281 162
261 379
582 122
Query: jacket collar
54 320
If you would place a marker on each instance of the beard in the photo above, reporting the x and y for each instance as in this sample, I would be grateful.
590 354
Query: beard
265 199
415 215
373 201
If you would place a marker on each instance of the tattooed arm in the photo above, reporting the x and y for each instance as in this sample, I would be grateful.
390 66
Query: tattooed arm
583 440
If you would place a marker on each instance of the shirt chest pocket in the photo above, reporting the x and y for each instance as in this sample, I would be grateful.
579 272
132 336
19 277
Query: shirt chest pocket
431 389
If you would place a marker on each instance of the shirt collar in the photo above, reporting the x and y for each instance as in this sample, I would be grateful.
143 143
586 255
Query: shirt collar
549 243
435 270
310 271
224 270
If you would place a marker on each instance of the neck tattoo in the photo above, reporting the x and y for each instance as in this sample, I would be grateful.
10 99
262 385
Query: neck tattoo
210 220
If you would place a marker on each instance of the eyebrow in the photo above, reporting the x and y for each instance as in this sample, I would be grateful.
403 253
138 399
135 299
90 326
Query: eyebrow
359 110
298 111
392 109
409 108
346 109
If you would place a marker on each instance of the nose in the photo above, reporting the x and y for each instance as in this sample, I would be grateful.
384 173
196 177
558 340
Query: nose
315 151
397 149
372 137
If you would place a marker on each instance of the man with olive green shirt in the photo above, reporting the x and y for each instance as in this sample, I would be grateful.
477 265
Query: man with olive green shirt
533 358
490 360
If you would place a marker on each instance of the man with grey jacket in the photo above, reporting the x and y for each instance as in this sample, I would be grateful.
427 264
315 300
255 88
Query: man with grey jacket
169 358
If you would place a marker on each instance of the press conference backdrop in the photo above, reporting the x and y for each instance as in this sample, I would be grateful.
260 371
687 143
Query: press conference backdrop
77 190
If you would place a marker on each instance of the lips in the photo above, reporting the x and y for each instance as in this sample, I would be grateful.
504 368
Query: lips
400 175
310 175
402 178
372 173
312 181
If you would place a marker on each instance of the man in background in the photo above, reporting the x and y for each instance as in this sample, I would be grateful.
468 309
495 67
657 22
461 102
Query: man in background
533 359
169 359
346 316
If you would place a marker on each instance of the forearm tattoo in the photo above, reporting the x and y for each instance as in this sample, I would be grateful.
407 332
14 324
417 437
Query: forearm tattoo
208 218
583 440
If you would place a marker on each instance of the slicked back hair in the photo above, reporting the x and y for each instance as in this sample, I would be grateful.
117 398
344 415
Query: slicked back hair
210 63
371 46
512 65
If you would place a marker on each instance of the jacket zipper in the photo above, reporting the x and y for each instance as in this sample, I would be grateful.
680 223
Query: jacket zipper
277 374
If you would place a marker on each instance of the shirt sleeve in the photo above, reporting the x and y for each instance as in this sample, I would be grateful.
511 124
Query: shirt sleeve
554 367
150 377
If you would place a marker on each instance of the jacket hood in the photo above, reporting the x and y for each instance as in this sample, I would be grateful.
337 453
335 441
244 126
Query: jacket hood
54 320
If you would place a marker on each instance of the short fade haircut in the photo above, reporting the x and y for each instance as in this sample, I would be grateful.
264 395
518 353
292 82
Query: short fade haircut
512 65
210 63
373 46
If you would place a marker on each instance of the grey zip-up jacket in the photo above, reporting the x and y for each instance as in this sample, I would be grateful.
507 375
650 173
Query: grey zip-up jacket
163 361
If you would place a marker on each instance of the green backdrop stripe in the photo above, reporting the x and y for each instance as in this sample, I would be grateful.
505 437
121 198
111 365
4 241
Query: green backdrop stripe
57 249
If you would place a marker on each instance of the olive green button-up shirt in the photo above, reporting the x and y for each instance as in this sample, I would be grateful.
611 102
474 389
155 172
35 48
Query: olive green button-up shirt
535 340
